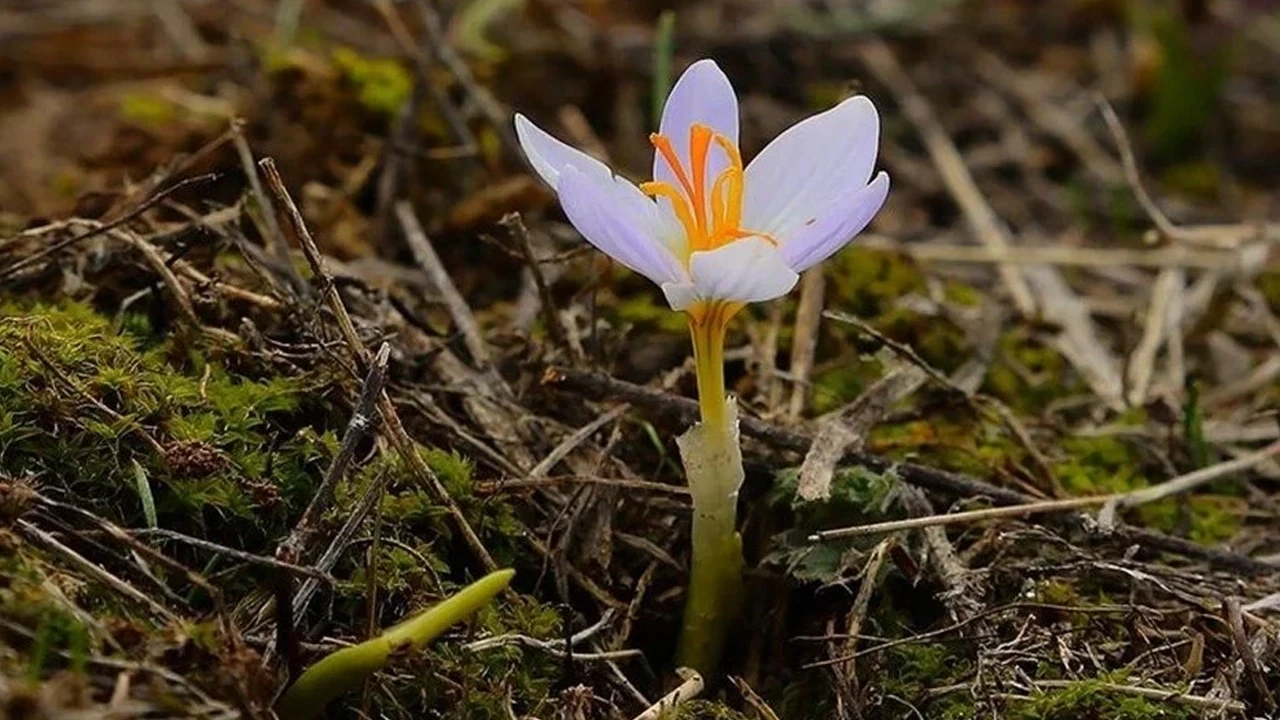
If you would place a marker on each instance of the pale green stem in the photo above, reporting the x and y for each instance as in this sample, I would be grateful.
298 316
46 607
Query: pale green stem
713 464
345 669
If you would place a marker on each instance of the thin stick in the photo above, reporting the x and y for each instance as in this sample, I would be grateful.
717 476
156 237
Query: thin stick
497 486
846 676
1052 118
689 689
40 537
1173 696
805 343
1193 480
566 446
961 517
341 539
1133 175
1252 669
900 348
1142 363
444 52
141 548
601 386
241 555
960 625
513 223
159 263
288 606
430 262
363 420
983 221
277 243
1175 256
146 205
404 445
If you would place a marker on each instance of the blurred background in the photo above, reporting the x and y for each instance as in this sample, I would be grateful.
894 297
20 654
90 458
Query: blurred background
1080 238
95 90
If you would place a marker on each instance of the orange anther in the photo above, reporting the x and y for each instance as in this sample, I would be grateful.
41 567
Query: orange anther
708 222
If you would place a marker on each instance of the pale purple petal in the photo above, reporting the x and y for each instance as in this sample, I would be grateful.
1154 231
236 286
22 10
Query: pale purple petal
747 270
835 226
549 157
620 221
809 166
701 95
680 295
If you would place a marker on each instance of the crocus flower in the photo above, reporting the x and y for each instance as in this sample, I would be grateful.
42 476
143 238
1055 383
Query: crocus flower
713 235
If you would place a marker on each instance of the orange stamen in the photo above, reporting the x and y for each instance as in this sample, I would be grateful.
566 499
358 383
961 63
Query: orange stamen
699 145
678 204
708 222
663 145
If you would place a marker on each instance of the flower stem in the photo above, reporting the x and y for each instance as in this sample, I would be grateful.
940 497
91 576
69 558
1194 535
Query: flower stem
707 332
715 589
713 464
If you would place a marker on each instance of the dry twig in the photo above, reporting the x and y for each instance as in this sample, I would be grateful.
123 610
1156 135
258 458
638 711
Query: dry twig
404 445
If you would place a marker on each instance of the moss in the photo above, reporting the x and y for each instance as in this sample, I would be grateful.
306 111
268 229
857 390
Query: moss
1057 592
1027 375
840 383
703 710
424 524
1093 699
911 670
961 294
642 310
238 459
453 469
869 282
453 683
926 664
383 85
1206 519
1100 465
59 639
939 342
1195 179
81 402
147 110
807 696
1268 284
954 439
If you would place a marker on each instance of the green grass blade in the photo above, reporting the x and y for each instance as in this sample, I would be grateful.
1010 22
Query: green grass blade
143 485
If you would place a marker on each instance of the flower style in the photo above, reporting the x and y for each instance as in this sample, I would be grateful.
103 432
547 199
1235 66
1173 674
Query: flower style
713 235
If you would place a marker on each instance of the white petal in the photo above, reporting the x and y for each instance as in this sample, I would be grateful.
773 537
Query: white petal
620 221
809 166
835 226
549 157
703 95
680 296
746 270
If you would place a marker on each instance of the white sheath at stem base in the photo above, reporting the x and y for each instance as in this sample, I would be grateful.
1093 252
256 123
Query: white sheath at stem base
713 463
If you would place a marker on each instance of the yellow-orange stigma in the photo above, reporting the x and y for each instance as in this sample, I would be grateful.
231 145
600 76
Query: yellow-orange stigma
709 221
